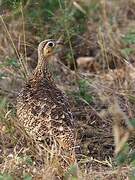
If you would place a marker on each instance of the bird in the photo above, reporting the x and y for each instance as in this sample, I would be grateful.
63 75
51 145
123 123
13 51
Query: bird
43 109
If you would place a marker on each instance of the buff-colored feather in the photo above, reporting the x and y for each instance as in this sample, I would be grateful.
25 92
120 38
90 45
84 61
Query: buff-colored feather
43 110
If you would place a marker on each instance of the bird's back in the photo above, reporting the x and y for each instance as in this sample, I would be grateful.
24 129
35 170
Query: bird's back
44 110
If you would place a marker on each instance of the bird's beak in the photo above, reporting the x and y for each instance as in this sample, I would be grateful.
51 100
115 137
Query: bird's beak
59 43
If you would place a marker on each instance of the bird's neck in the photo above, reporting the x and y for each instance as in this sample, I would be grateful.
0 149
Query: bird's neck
42 70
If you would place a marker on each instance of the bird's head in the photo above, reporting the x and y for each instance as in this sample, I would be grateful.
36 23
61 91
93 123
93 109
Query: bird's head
48 47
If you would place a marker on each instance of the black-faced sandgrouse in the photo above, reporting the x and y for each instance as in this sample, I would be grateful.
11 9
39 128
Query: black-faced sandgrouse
43 109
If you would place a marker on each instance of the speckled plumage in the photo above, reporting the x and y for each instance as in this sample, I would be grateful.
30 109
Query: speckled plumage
43 109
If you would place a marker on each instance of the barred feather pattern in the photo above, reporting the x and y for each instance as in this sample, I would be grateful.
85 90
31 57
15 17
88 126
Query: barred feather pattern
43 110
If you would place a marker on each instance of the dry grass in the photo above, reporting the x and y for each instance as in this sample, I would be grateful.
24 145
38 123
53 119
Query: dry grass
102 122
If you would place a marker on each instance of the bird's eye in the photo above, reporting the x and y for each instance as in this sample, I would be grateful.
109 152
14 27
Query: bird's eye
50 44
